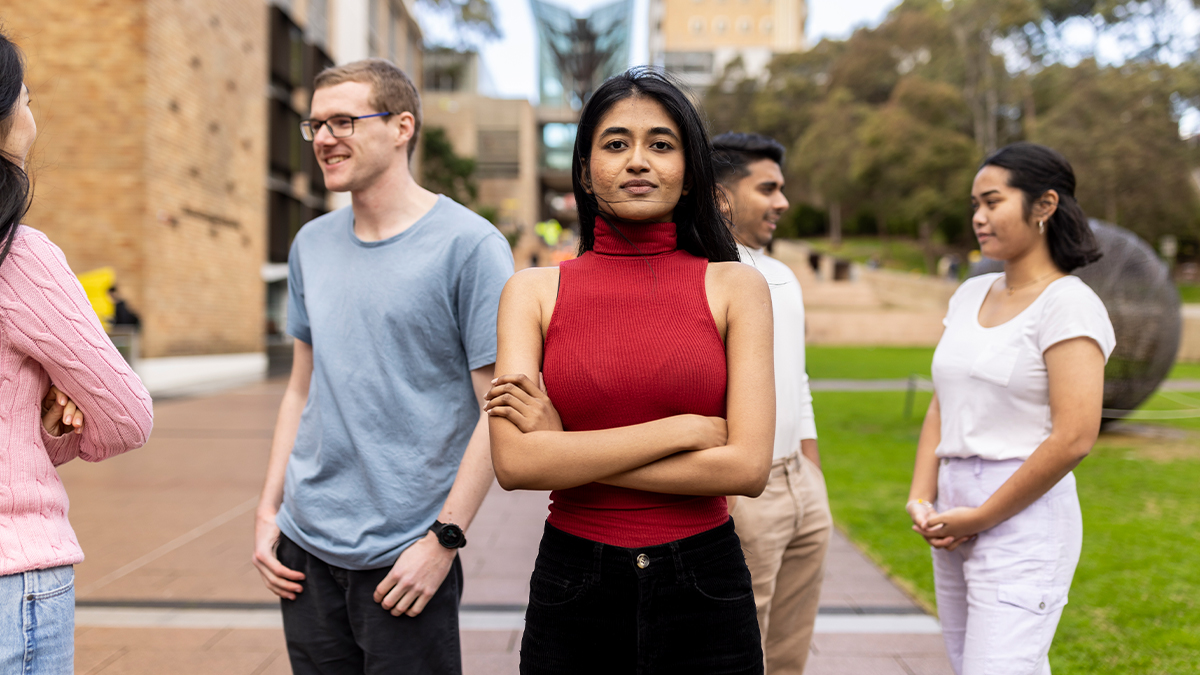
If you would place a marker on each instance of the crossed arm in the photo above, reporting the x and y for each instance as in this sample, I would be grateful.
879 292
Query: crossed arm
683 454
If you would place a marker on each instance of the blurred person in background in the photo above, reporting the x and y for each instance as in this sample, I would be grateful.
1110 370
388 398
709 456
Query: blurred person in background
380 457
785 530
655 347
1018 382
49 334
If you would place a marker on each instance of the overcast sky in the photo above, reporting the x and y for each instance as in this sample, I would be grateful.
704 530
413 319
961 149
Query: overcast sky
511 61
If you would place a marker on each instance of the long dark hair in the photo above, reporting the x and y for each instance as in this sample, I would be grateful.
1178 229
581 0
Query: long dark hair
14 182
1034 170
701 229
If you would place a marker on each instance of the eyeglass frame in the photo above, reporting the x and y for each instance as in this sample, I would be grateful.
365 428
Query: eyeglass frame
308 123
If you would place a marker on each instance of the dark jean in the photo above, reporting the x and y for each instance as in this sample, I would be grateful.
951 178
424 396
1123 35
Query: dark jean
593 609
335 627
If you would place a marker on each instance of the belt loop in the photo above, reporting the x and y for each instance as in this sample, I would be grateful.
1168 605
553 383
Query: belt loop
680 571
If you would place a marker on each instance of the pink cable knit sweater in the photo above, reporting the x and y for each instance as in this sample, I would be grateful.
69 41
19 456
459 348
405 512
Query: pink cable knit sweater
49 333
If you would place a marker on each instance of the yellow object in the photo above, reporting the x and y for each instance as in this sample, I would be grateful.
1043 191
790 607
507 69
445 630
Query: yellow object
96 284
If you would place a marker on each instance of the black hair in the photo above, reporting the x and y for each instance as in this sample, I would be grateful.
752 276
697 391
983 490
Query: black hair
735 152
700 227
1035 170
14 182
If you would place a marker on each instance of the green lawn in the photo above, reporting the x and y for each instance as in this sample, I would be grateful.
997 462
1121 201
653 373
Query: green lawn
867 363
1185 371
896 253
1189 292
1135 602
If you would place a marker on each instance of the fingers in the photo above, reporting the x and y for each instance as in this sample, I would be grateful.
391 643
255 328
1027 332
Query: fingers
517 382
279 579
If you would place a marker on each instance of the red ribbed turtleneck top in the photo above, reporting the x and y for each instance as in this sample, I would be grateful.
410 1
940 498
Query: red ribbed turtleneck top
631 340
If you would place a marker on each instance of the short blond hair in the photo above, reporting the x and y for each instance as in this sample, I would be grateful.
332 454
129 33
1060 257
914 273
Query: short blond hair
391 89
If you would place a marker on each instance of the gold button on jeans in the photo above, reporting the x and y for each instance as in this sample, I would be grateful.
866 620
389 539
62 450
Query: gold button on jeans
643 560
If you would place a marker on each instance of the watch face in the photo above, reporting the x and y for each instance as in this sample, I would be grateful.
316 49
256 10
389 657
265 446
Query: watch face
452 536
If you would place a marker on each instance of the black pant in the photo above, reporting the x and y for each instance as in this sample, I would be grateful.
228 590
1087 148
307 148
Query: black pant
689 608
335 627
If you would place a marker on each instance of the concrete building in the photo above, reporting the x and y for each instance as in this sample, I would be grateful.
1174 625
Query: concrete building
696 39
169 151
500 134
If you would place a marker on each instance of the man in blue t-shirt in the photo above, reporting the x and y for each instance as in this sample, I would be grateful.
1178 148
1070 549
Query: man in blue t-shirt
380 457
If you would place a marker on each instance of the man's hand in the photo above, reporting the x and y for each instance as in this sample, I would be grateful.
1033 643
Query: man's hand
59 414
280 580
415 577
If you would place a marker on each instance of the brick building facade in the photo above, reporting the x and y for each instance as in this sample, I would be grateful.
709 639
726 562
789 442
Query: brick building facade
150 157
168 149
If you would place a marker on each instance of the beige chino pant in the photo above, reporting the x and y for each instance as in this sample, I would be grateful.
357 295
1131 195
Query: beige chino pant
785 533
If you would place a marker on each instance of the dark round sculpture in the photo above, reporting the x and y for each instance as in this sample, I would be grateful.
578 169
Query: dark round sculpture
1143 305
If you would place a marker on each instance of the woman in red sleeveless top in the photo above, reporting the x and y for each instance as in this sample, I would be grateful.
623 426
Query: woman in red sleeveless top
655 346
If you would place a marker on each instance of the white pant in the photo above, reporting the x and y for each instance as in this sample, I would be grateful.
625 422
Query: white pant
1000 597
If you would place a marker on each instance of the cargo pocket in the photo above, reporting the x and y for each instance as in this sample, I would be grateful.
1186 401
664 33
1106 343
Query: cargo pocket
996 367
1040 600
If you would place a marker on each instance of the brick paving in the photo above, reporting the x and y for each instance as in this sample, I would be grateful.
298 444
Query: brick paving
173 522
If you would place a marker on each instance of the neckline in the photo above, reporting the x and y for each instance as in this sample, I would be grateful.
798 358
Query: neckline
638 240
988 290
395 237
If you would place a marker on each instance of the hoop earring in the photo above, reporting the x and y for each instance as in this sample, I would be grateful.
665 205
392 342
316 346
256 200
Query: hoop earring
1041 227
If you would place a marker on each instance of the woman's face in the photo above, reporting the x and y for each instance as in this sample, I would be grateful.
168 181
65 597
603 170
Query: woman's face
1001 226
637 169
23 131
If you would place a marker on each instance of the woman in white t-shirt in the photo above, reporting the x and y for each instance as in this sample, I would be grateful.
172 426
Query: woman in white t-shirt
1018 388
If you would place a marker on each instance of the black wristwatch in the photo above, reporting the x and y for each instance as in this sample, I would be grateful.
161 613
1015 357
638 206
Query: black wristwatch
449 534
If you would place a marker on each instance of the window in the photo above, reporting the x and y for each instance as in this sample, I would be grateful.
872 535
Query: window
696 25
745 23
688 62
766 25
499 153
720 25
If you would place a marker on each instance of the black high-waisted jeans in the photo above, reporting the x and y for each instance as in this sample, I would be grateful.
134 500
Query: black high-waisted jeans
688 607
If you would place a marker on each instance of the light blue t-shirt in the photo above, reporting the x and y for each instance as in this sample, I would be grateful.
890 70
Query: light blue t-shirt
396 327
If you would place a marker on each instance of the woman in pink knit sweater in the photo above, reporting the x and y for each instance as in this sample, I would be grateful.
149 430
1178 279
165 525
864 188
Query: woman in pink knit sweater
48 333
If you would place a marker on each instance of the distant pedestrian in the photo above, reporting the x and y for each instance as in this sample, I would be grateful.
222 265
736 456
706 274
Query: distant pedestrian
122 314
784 531
380 457
1019 384
655 347
51 335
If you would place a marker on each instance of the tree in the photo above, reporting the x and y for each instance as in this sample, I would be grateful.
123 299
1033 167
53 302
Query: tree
824 156
473 20
444 171
1120 130
916 167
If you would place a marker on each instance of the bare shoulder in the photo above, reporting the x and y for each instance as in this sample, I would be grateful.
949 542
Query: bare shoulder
533 284
736 277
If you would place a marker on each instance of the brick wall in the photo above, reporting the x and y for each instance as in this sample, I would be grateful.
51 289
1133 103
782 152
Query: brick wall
151 156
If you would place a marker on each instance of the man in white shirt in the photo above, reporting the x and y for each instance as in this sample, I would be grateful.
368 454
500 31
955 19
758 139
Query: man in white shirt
785 531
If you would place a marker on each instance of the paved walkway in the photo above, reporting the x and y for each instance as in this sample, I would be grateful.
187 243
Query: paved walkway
168 587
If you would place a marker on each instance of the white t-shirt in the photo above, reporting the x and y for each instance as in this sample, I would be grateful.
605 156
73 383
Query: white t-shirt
991 383
793 400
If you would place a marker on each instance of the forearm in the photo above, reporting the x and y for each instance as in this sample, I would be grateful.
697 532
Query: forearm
474 477
925 468
284 438
286 426
808 448
556 460
726 470
1053 460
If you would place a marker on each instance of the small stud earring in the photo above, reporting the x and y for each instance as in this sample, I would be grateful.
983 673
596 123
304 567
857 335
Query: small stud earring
1041 227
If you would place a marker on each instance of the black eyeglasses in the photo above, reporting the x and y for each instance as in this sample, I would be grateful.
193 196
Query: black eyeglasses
340 126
